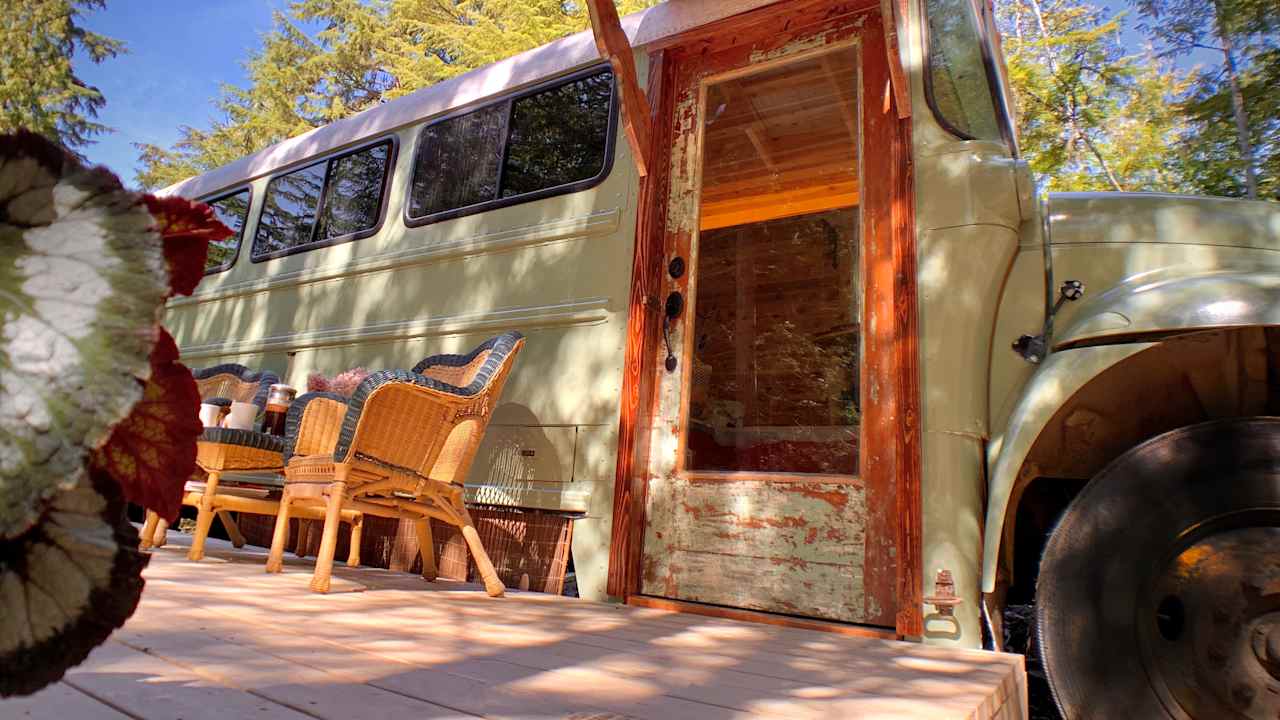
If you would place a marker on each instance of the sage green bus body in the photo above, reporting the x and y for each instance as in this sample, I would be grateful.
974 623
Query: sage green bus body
391 299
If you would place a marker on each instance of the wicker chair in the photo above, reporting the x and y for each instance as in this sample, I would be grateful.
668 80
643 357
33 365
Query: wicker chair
235 382
221 385
400 448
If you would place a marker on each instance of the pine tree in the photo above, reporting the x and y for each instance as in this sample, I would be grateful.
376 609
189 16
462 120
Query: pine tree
363 53
1234 145
39 89
1090 116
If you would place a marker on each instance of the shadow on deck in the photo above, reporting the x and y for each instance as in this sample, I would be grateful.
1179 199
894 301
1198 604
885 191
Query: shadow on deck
222 639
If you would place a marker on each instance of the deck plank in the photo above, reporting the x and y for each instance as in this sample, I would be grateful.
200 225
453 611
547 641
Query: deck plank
226 639
147 687
59 702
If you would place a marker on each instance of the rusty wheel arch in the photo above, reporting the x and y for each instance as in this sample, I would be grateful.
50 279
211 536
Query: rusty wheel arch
1179 382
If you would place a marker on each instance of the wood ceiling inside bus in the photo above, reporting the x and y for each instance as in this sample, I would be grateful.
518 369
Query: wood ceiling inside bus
781 142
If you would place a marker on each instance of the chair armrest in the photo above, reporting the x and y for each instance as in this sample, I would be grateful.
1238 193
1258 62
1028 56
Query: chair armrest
380 379
243 438
313 424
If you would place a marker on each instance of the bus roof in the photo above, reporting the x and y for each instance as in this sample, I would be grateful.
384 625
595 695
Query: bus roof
648 27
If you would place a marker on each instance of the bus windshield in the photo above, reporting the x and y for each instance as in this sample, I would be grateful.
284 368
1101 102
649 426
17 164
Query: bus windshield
957 84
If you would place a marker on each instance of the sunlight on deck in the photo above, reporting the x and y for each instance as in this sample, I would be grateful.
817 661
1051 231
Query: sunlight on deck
222 639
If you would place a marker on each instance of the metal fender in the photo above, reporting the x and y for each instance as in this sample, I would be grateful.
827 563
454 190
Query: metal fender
1160 303
1059 377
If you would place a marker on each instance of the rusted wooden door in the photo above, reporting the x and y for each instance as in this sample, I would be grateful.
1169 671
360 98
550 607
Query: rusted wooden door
773 451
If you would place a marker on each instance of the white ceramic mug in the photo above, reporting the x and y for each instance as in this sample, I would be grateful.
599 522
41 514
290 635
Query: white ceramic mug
242 416
209 414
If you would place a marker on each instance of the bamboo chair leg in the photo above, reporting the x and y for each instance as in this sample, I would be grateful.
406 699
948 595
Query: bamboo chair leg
329 537
492 584
205 519
280 535
426 548
162 533
357 530
304 538
233 529
146 536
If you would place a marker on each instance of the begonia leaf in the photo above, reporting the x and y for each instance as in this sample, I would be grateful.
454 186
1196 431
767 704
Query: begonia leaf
187 229
66 583
152 452
82 282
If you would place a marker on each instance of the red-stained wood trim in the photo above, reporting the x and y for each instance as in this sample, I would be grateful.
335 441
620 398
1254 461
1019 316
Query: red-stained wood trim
713 476
894 13
613 44
881 398
782 18
764 618
644 310
910 590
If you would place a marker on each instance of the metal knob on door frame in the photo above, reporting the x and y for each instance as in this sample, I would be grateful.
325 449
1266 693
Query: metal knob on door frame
674 306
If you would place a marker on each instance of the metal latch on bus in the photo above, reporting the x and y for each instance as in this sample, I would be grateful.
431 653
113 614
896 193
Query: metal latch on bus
1034 348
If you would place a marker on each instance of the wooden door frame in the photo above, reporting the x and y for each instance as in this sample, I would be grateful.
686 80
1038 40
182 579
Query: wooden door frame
891 425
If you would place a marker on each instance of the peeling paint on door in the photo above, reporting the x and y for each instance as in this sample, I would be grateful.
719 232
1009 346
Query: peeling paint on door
792 547
760 506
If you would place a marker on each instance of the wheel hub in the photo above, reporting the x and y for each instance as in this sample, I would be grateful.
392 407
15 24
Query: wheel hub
1266 646
1212 633
1159 589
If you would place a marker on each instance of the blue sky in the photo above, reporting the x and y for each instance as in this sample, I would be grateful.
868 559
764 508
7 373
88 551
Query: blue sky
180 53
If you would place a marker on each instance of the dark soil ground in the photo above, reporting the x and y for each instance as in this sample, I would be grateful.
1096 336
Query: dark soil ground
1020 637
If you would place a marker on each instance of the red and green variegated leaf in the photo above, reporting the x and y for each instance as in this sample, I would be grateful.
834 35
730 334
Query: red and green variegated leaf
152 452
66 583
82 282
187 228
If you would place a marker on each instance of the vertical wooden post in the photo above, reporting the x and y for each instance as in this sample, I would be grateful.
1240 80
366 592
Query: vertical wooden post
642 323
894 13
616 48
910 619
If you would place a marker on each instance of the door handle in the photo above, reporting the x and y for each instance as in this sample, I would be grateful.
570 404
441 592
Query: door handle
675 306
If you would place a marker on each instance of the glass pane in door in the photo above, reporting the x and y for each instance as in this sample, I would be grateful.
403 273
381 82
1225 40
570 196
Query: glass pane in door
775 364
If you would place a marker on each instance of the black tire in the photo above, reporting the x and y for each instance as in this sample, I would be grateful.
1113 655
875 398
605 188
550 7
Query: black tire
1162 580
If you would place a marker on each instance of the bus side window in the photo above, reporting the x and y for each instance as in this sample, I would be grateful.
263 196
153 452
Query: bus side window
354 195
232 210
323 203
558 137
541 143
457 162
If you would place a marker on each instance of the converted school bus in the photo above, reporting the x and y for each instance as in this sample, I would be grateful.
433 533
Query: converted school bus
816 341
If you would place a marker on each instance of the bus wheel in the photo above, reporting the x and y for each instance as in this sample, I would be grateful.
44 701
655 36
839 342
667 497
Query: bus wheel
1159 591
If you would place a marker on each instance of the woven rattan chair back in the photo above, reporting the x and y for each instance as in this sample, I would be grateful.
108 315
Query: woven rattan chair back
438 439
403 433
235 382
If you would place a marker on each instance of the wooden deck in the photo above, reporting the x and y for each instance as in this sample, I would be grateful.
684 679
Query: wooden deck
222 639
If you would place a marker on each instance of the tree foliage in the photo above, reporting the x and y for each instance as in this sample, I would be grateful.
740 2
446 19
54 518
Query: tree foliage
1090 115
328 59
1094 112
1232 146
39 89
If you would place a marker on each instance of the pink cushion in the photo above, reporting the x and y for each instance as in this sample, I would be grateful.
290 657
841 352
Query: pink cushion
344 383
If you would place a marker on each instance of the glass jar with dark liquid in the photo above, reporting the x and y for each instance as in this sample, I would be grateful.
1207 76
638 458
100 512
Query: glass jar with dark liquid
279 397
